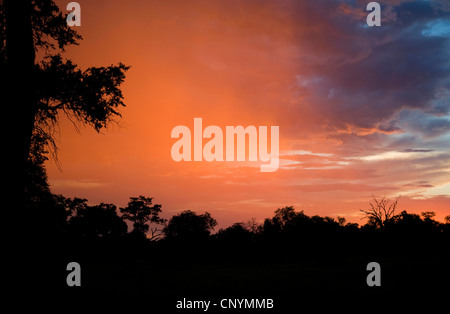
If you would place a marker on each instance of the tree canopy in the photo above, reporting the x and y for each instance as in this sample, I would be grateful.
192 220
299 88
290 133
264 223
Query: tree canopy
50 85
140 212
188 226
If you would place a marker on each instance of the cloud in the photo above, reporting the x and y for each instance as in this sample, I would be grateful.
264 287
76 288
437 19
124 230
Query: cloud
411 150
419 184
77 183
360 78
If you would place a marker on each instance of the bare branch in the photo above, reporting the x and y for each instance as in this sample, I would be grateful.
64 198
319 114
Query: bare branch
381 211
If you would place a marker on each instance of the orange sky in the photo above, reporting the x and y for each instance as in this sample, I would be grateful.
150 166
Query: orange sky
341 94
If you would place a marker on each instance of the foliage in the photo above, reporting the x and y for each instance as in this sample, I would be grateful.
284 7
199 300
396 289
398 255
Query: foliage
190 226
140 211
96 221
381 211
55 85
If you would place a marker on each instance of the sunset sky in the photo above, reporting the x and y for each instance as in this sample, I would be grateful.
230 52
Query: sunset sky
361 110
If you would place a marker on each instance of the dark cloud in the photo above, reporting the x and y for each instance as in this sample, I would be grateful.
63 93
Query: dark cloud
363 76
419 184
411 150
442 108
423 123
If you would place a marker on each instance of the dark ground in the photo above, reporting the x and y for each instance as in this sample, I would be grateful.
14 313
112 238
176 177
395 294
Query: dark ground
153 278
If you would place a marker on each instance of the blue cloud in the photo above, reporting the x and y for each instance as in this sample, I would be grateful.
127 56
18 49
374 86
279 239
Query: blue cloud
368 76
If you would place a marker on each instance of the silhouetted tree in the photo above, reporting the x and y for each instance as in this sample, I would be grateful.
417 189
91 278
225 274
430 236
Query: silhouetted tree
188 226
236 233
52 85
431 224
49 208
253 226
140 212
381 211
446 227
286 220
324 224
407 223
35 92
96 221
352 227
428 215
73 205
284 216
36 183
341 221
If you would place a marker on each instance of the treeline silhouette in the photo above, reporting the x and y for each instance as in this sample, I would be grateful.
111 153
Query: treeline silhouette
132 251
89 229
74 218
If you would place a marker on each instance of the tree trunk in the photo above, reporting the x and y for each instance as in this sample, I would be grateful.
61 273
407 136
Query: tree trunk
18 101
20 58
